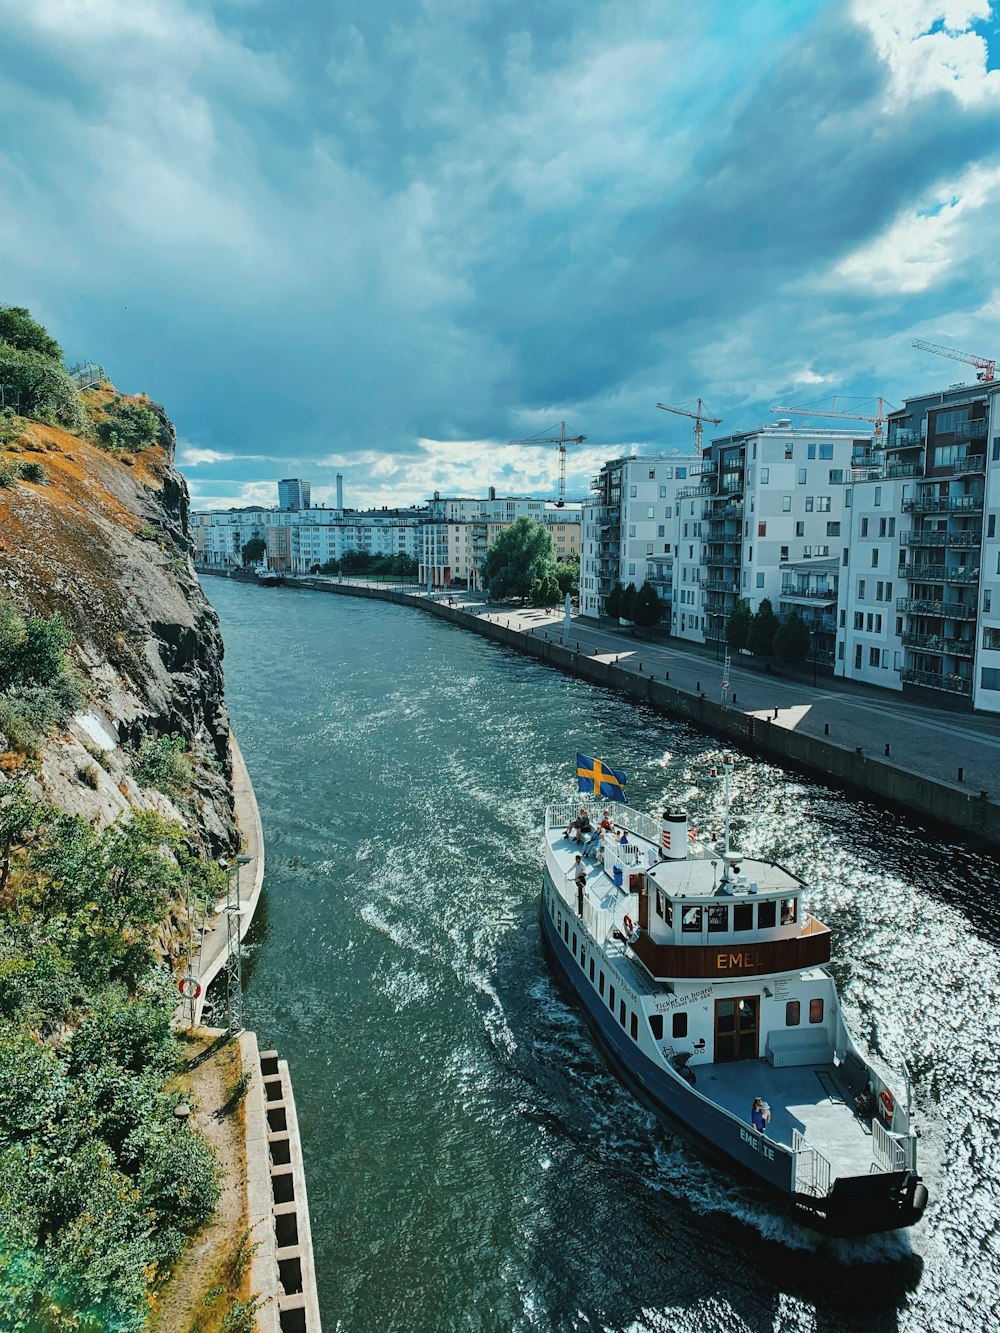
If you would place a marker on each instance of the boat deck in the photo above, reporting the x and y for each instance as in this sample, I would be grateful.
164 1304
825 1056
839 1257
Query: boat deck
809 1098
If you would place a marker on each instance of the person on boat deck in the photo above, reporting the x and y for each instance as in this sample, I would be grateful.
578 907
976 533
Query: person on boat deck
579 826
606 823
594 846
760 1114
623 840
579 873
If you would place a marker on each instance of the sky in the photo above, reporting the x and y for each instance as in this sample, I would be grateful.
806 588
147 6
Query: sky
386 238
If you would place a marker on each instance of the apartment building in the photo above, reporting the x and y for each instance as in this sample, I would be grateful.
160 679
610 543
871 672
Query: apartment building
917 611
763 517
458 532
629 531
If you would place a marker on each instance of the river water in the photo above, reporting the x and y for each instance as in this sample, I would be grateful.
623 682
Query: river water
471 1164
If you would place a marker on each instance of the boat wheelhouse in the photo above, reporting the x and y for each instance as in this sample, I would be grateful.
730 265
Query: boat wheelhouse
704 978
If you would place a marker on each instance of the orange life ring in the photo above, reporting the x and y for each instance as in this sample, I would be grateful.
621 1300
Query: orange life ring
629 924
189 988
886 1103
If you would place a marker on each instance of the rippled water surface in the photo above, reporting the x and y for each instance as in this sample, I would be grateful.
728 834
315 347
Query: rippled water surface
471 1164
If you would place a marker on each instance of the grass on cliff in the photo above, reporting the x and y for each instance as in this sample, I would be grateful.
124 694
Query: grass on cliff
38 691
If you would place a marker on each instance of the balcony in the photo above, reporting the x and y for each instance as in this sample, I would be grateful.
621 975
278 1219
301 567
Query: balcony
947 504
931 680
960 467
892 470
936 643
721 561
905 439
807 594
716 513
965 430
956 541
691 492
921 606
720 585
939 574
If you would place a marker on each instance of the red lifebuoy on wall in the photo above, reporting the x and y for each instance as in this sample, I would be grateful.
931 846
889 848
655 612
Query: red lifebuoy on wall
629 924
887 1104
189 988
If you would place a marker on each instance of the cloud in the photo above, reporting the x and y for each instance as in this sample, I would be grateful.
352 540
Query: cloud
373 234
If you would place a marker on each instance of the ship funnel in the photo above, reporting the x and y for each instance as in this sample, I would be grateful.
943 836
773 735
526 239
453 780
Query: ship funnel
674 835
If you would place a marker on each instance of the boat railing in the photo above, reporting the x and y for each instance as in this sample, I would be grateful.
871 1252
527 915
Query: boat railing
889 1150
811 1171
627 857
623 816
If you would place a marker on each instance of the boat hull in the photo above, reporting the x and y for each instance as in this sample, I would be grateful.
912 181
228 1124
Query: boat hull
856 1205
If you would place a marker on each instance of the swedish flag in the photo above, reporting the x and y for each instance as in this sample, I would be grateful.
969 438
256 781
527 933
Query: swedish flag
592 775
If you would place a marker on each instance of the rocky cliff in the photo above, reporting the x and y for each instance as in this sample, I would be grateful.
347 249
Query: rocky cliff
103 540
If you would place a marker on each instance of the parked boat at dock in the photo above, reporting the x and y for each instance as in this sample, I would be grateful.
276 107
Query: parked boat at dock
705 979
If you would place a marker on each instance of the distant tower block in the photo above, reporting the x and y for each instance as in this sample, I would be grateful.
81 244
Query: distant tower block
294 494
340 490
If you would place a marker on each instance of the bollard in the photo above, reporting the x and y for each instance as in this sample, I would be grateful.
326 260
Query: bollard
734 696
887 748
983 795
666 675
826 728
698 686
775 715
640 666
961 774
858 752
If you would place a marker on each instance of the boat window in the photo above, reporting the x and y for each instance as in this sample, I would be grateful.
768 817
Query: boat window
668 912
611 998
691 920
634 1027
718 917
566 930
659 903
600 984
574 943
789 911
592 968
743 916
766 915
656 1026
680 1025
621 1012
583 956
559 921
792 1014
815 1011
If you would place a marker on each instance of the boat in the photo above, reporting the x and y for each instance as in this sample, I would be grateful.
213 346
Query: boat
705 979
271 578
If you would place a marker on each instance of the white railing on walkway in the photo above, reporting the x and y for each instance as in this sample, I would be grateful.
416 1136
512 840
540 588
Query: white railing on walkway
811 1172
889 1149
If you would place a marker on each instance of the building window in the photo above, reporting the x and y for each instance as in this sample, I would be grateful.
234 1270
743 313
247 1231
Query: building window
873 657
874 557
878 496
811 451
859 620
809 504
802 476
760 580
836 476
656 1026
631 491
786 504
826 451
833 529
784 553
764 475
864 527
861 590
761 529
679 1025
788 450
800 529
631 529
652 474
815 1011
792 1014
823 504
990 678
881 527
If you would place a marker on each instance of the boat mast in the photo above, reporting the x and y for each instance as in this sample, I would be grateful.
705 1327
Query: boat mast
727 773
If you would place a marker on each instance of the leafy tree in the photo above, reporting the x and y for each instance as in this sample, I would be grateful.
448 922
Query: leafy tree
128 425
627 602
160 762
568 576
792 639
613 601
518 556
763 628
253 550
545 591
647 608
39 387
738 625
20 815
19 330
32 652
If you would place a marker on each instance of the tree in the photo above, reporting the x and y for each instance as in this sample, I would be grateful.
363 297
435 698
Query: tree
763 627
568 576
545 591
613 601
253 550
39 387
518 557
647 609
130 426
19 330
627 603
738 625
792 639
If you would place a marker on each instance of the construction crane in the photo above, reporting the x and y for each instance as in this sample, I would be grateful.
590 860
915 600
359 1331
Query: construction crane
878 420
986 365
699 416
562 439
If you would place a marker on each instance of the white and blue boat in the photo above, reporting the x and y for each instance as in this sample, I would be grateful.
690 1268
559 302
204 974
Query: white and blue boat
704 978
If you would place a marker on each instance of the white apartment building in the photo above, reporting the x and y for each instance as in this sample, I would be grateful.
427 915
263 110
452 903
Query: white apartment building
767 510
920 586
629 528
299 540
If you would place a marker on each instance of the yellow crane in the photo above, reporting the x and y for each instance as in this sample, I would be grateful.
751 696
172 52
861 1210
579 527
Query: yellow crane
699 416
562 439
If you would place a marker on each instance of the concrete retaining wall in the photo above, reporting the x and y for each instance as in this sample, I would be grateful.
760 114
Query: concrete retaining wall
868 775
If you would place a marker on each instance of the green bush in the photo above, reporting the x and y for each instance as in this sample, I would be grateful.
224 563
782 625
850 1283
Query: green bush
10 472
42 388
35 473
160 762
128 426
19 330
